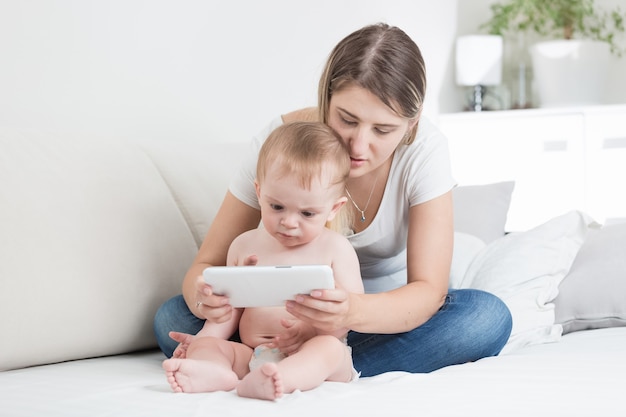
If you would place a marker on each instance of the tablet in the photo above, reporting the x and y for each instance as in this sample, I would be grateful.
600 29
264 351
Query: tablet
264 286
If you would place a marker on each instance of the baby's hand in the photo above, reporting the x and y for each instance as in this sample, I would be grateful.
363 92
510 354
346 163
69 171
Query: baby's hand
184 341
250 260
295 334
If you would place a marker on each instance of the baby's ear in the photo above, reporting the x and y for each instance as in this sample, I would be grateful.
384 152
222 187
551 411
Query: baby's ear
336 207
257 188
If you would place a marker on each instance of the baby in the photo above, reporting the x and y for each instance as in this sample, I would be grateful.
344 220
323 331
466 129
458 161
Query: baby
301 173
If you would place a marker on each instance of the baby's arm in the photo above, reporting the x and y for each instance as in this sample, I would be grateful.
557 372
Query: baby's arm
228 328
219 330
222 330
347 273
346 267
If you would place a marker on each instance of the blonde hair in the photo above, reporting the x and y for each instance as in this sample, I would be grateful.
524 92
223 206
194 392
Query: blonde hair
385 61
306 150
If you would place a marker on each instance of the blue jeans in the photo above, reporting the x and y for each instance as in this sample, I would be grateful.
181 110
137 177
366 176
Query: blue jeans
470 325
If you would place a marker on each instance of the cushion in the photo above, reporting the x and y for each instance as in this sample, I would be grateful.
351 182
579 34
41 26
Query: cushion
593 294
466 247
197 174
481 210
92 243
525 269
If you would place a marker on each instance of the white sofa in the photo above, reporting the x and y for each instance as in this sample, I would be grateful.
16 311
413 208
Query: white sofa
97 233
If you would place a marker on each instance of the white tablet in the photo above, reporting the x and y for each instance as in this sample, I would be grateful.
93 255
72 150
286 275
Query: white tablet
263 286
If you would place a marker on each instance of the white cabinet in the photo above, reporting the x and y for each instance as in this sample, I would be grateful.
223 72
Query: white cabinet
560 159
606 163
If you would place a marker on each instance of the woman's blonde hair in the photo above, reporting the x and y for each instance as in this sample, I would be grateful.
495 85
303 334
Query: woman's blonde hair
385 61
307 150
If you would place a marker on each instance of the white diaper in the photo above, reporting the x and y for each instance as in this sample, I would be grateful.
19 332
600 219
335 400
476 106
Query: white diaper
355 374
263 354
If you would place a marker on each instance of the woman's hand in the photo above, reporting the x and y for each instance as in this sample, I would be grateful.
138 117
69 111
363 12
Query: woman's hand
326 310
213 307
295 334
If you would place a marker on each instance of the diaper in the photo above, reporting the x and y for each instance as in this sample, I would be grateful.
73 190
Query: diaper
263 354
355 374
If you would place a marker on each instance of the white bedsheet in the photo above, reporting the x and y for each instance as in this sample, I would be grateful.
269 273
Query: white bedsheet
582 375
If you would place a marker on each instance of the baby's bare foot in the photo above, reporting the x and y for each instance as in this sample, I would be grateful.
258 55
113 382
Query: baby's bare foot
264 383
189 375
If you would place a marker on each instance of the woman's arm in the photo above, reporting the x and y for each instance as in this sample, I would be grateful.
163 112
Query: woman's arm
233 218
429 254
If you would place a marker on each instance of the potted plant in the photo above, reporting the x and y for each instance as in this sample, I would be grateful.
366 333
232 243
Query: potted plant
576 39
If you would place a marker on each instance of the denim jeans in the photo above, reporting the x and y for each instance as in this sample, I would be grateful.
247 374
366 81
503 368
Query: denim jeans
470 325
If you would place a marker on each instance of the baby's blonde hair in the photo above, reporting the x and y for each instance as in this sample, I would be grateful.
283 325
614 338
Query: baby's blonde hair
306 150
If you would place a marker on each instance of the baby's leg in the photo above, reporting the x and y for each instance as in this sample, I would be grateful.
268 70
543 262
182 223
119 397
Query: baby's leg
323 358
211 365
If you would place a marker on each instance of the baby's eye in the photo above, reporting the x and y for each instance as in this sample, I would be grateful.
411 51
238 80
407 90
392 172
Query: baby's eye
276 207
308 214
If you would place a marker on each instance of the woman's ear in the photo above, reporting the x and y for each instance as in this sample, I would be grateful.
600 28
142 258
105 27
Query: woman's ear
413 123
412 129
336 207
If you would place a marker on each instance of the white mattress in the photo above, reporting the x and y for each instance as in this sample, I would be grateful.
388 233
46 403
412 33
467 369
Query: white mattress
582 375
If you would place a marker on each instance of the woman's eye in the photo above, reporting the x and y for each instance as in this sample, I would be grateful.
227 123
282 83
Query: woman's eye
348 122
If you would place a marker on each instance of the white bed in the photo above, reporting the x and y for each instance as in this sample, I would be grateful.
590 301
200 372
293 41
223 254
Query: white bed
552 379
97 233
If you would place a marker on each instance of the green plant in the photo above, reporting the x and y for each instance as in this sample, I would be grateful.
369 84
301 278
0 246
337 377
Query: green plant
566 19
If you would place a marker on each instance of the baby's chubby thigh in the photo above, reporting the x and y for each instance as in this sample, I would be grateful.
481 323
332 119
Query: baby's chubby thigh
326 353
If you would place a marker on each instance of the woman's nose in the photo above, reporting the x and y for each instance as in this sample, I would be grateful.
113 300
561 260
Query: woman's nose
358 141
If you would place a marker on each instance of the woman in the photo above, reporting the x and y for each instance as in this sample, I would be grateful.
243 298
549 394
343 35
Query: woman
399 190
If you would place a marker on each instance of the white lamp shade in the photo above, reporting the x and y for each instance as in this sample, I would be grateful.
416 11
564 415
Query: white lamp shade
479 60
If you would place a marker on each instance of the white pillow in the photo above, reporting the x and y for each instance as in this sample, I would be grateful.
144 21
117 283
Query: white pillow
524 269
198 174
593 293
466 247
481 210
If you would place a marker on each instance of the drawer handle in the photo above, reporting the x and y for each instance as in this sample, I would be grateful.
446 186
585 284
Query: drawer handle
614 143
554 145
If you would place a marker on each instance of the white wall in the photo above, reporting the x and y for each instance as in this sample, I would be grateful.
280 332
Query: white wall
200 69
203 69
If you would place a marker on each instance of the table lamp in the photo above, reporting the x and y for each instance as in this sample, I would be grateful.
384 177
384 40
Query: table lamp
478 65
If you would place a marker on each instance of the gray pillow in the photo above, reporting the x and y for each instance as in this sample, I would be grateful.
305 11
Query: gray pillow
481 210
593 293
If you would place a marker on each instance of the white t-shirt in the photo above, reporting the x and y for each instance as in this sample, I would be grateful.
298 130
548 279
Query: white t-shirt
419 172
